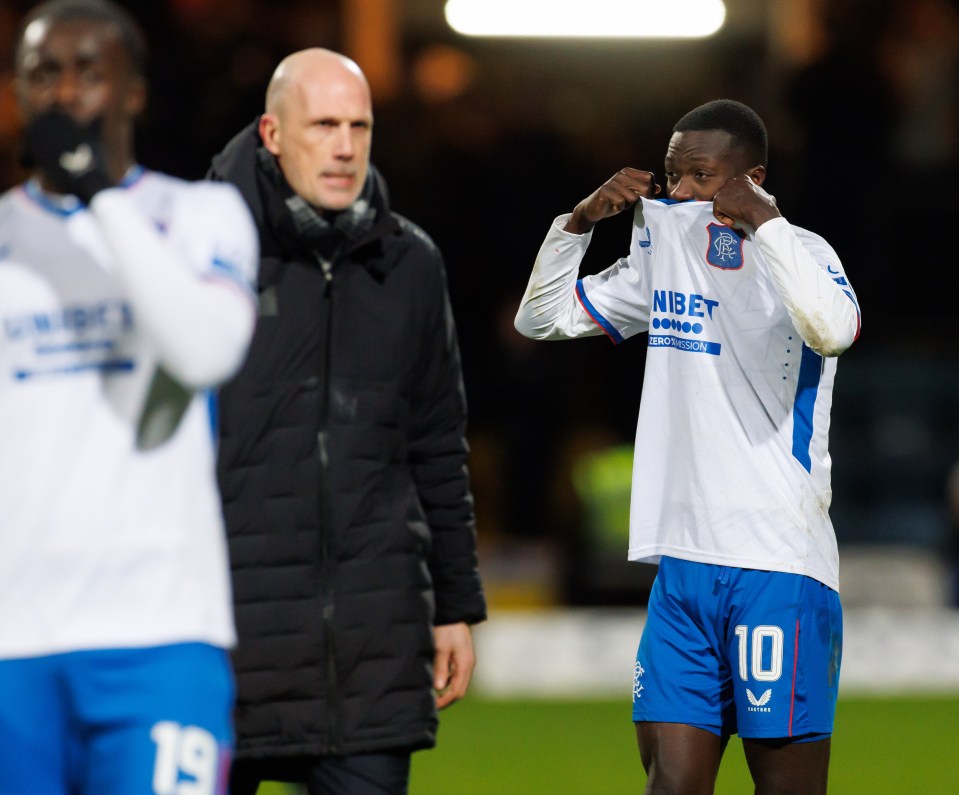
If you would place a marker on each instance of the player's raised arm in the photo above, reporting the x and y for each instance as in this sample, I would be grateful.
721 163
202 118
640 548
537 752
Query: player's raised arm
550 308
199 315
620 191
743 204
809 277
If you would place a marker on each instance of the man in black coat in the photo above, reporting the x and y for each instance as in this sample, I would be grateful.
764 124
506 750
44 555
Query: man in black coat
342 457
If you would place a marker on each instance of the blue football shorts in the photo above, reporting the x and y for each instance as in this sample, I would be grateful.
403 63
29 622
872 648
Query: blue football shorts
151 721
741 651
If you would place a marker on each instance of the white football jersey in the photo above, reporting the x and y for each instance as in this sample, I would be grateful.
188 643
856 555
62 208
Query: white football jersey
731 464
107 539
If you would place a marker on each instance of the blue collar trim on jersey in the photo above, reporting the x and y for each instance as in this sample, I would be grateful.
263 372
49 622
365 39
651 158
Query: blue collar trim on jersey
68 205
52 202
132 176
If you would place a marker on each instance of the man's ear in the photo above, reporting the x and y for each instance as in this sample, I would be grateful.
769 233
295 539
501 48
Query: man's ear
757 174
270 133
136 97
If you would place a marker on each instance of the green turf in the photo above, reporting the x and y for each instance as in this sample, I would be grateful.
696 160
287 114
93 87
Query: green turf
882 745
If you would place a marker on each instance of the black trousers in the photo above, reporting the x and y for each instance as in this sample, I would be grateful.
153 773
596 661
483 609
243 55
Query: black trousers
359 774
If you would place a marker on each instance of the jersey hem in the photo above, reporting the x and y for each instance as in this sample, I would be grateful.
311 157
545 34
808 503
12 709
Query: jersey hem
219 641
654 554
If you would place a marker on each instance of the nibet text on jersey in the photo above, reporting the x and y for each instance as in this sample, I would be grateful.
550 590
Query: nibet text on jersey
693 304
77 319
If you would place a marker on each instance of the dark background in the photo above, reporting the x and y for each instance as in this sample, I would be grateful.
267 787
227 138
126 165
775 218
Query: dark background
484 142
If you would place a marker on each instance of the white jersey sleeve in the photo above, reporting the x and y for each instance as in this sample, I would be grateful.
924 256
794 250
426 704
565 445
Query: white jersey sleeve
810 281
549 309
194 301
558 305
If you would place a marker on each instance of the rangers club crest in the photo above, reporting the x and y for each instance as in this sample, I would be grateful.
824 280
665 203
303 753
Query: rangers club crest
725 249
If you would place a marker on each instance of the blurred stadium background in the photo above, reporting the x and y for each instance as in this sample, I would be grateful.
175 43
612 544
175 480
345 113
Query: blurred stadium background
483 142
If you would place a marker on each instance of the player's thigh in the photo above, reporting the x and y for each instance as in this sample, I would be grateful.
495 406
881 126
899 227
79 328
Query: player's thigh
681 674
158 720
679 758
34 721
784 766
785 644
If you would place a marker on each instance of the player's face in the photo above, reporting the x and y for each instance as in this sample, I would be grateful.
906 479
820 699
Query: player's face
698 164
82 68
321 136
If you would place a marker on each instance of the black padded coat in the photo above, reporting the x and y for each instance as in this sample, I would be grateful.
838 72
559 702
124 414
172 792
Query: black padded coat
342 465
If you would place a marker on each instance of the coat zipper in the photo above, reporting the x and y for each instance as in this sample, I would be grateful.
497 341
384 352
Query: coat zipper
325 497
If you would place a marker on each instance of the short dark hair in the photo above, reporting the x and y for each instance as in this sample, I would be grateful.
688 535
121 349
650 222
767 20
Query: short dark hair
129 32
739 120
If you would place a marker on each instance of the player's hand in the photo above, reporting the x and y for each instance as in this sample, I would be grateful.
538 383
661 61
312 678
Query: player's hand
69 154
620 191
742 204
454 662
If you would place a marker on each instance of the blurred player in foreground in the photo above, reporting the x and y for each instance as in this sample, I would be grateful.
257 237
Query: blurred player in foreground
124 296
745 316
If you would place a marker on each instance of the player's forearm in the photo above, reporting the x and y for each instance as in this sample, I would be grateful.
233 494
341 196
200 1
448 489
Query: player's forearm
200 327
549 309
824 314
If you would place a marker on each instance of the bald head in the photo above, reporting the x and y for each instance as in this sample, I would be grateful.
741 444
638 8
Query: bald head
315 65
318 124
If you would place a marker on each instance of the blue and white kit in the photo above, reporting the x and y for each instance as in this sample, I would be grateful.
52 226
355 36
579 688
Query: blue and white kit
731 473
731 464
116 321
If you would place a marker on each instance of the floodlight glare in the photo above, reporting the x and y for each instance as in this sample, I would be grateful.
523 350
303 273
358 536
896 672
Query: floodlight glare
685 19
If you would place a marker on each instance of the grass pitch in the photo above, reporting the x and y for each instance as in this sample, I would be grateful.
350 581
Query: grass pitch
881 745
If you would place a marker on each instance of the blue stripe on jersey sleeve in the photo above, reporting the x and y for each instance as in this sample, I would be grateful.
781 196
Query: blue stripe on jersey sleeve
598 319
810 371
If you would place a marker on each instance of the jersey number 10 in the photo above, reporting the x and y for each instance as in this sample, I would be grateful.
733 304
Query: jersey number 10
765 662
